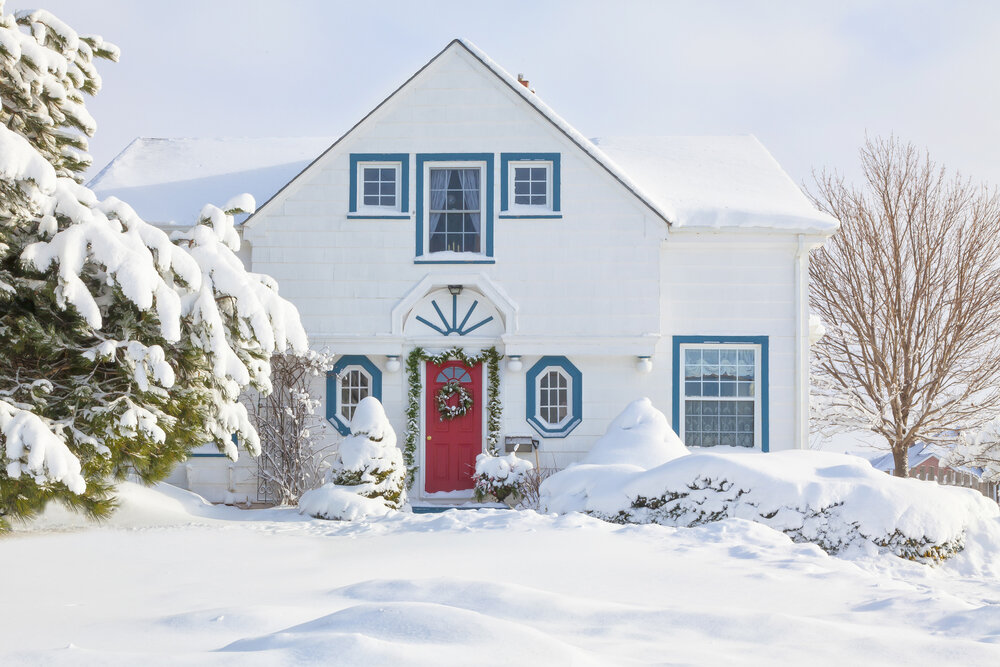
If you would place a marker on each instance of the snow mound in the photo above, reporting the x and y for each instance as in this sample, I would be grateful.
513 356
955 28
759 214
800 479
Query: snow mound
500 476
639 436
341 503
836 501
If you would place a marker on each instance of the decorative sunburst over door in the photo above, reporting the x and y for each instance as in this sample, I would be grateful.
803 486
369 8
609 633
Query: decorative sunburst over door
445 314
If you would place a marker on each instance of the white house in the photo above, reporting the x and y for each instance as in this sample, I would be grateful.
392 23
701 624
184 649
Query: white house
462 212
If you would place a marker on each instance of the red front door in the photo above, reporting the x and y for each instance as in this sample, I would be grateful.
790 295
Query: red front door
452 444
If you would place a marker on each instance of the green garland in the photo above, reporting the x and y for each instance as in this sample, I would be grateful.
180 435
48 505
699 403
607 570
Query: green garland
494 410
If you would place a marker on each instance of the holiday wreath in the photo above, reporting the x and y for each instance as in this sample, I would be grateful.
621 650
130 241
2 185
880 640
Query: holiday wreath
446 411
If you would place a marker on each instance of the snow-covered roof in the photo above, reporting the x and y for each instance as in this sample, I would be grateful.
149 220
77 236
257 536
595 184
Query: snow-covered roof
715 182
920 453
170 180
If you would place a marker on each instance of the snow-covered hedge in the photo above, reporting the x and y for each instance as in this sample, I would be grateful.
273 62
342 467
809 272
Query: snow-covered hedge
835 501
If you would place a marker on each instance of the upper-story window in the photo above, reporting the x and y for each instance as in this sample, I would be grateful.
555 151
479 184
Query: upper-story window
530 185
379 185
455 210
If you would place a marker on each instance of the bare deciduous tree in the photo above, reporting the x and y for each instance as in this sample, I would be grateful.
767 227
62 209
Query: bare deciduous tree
287 424
909 291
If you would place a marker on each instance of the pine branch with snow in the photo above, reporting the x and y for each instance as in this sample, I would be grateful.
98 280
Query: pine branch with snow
120 349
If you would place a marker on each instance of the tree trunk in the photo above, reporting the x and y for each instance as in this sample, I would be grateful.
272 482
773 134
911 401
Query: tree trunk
901 457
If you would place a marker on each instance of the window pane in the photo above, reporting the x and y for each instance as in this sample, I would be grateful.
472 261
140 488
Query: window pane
371 188
692 439
710 388
538 174
537 201
692 357
522 188
692 389
710 356
388 175
522 173
371 174
727 389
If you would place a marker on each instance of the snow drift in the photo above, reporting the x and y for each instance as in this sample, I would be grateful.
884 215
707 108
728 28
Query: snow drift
835 501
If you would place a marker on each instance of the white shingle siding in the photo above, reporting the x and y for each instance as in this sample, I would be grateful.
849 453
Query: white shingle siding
607 281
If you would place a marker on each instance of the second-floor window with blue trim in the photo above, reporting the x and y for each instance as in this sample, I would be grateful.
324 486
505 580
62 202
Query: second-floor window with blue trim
379 185
530 185
454 208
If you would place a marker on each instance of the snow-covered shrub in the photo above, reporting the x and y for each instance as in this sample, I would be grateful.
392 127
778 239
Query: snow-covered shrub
640 436
341 503
368 460
835 501
500 477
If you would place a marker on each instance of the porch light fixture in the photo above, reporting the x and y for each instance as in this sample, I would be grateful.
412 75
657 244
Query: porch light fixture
644 364
455 290
392 363
514 363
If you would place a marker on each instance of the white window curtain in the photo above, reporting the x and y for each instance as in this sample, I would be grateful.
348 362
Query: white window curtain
439 197
469 178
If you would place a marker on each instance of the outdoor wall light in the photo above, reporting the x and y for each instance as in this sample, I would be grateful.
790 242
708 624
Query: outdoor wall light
455 289
643 364
392 363
514 363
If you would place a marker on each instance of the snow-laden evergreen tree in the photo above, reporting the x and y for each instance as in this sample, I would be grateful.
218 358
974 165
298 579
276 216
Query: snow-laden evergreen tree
120 349
368 459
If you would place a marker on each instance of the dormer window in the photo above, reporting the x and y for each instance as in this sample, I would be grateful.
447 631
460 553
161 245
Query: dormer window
530 185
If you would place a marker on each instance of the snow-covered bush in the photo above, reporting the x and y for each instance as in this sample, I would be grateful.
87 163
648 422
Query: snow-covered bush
835 501
640 436
341 503
500 477
120 349
368 460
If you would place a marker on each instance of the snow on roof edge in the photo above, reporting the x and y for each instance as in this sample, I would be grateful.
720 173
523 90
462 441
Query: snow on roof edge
575 135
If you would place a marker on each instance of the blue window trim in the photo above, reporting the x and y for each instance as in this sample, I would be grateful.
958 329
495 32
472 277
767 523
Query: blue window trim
404 184
215 455
333 396
486 222
762 341
506 159
576 379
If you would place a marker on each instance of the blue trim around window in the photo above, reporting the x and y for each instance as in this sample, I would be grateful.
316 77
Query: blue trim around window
576 389
506 159
722 340
333 396
404 184
487 221
214 455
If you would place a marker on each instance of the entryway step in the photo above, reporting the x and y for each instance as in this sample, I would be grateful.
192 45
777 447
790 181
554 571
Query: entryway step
437 509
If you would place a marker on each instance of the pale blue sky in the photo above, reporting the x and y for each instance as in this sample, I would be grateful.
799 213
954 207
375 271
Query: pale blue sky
807 78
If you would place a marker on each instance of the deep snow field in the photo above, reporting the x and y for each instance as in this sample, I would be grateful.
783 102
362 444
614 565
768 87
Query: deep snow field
171 580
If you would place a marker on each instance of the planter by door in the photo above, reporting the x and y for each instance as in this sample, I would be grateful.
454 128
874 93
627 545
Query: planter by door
451 445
